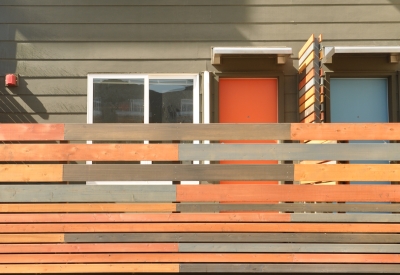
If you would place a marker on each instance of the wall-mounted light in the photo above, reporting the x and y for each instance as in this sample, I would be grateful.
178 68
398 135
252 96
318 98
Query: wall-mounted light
11 80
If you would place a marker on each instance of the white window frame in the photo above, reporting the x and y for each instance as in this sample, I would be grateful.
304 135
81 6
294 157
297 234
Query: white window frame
146 77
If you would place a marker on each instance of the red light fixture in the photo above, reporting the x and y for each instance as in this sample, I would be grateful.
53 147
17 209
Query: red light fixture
11 80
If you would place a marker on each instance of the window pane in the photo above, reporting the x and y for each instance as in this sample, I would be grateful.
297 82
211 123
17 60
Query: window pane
118 100
171 101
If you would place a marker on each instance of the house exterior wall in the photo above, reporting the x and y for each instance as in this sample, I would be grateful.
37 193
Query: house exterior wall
53 45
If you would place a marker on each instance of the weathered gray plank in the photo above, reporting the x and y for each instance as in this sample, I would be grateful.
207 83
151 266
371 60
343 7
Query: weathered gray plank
197 14
289 151
180 172
48 86
289 207
374 218
306 238
289 247
172 131
291 268
282 32
87 193
43 104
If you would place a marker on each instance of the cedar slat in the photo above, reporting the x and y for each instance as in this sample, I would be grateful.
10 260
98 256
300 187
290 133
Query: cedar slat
307 78
30 238
345 131
229 237
176 131
149 217
307 104
306 45
89 248
31 132
82 152
86 207
347 172
307 95
199 227
89 268
307 61
31 172
200 258
252 192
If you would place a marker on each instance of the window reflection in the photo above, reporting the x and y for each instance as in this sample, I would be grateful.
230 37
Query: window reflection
171 101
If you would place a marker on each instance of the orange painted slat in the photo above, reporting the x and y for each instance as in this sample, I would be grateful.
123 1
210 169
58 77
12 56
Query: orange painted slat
307 104
309 119
30 238
86 207
89 268
347 172
308 60
31 131
307 95
201 258
125 217
201 227
346 131
89 248
82 152
306 45
307 78
31 172
260 193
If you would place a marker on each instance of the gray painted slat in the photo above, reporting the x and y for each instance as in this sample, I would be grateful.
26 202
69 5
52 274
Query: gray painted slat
289 247
291 268
283 32
289 151
181 172
170 131
288 207
196 14
232 238
368 218
87 193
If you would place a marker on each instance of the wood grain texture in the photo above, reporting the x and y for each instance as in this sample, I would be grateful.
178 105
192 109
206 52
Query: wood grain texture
347 172
88 248
331 217
180 172
149 217
30 238
86 207
200 227
31 172
87 268
345 131
25 132
290 151
292 193
291 268
83 152
199 258
287 207
230 237
170 131
87 193
287 248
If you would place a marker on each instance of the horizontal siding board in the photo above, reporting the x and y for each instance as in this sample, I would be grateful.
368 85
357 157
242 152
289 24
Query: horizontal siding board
197 14
185 32
228 237
291 268
86 193
288 207
170 131
31 173
288 247
181 172
14 239
200 227
292 193
318 217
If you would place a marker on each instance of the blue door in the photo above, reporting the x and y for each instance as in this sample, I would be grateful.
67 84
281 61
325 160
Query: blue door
360 100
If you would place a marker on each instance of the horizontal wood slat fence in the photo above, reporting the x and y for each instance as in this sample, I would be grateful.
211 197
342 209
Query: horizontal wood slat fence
51 221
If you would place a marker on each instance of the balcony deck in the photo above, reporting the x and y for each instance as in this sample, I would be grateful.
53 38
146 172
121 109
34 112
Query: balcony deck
51 221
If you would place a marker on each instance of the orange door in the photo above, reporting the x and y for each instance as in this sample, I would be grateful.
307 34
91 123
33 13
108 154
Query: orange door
248 100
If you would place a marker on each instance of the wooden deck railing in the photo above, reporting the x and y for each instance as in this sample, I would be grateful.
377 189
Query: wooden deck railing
52 222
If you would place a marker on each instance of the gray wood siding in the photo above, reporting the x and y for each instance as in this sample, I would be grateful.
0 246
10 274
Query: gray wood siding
53 45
